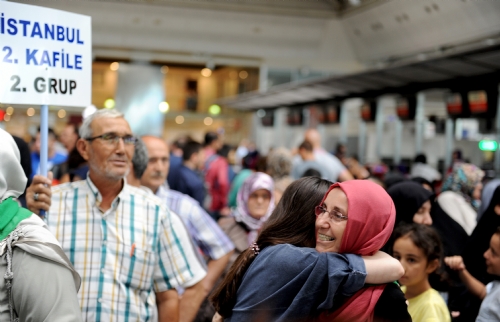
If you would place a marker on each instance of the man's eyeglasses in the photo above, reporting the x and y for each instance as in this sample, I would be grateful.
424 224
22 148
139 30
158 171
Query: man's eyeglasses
113 138
334 215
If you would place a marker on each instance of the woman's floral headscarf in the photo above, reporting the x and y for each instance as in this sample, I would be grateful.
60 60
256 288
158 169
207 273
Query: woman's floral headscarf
463 180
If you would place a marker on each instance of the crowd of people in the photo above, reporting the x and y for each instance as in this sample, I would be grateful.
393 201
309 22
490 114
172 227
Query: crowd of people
136 229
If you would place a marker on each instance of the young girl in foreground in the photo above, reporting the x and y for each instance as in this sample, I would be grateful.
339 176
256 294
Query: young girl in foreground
419 250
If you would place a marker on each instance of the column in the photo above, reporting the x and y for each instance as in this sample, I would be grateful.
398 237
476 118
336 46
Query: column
362 141
280 116
397 142
139 92
497 152
379 124
450 140
419 123
344 120
263 74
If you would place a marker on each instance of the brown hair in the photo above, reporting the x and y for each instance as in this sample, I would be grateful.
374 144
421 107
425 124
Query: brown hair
292 222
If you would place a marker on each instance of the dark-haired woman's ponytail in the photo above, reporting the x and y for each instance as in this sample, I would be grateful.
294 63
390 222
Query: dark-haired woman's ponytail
223 297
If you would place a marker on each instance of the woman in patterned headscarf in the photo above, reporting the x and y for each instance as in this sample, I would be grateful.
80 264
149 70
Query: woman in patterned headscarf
255 203
461 193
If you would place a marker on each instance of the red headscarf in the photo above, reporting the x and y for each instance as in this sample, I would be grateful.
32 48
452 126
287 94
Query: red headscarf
371 216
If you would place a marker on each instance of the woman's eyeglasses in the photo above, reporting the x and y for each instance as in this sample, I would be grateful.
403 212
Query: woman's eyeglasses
334 215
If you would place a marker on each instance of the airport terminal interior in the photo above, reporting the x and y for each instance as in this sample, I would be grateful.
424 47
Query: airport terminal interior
390 92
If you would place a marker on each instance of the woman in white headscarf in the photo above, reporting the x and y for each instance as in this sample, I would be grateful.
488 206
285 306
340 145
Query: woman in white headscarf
39 283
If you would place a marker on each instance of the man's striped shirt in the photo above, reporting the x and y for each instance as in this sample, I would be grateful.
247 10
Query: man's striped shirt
124 255
207 235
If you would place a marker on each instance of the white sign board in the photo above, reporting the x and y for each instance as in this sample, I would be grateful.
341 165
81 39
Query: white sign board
45 56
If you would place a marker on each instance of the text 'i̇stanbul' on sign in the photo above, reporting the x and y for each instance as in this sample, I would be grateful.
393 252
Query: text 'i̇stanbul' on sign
45 56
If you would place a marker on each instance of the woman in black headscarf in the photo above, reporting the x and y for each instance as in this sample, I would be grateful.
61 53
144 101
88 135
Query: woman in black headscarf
412 201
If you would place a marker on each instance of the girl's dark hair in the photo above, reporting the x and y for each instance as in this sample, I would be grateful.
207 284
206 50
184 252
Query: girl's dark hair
427 239
292 222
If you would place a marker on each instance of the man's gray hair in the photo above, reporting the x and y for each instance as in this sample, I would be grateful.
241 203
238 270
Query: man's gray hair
140 159
86 131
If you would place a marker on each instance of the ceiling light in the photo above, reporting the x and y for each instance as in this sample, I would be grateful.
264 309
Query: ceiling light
179 119
214 109
208 121
163 107
206 72
243 74
109 103
114 66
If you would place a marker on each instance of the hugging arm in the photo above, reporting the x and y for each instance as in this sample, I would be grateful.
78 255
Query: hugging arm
382 268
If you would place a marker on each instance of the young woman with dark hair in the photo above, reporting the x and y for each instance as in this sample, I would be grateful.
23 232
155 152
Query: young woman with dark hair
281 279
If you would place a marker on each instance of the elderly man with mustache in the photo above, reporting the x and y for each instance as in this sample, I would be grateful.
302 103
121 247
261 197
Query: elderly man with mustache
129 249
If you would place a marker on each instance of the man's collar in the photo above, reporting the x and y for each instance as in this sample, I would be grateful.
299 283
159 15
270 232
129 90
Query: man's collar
96 194
162 190
146 189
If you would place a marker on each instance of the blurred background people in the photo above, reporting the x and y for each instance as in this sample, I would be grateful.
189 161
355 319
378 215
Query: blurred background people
335 169
176 152
420 168
216 171
54 157
69 136
461 195
306 153
278 165
187 177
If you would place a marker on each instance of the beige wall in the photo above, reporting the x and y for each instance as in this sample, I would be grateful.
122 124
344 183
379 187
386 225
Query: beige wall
104 82
223 82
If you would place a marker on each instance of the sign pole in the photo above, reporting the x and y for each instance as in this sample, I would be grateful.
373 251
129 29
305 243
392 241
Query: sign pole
497 125
44 148
44 133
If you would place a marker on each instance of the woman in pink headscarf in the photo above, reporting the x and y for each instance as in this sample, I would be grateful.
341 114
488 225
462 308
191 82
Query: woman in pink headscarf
281 279
357 217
